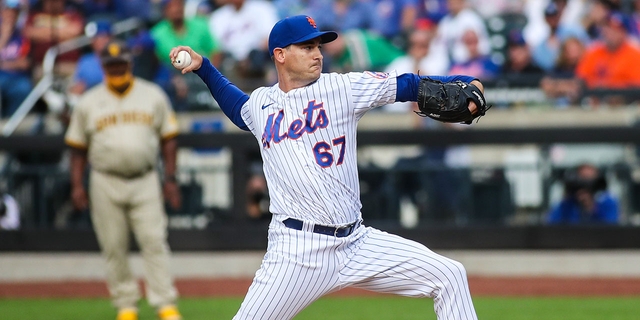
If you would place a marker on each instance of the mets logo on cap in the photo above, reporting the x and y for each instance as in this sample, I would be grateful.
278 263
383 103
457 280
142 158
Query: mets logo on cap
312 22
297 29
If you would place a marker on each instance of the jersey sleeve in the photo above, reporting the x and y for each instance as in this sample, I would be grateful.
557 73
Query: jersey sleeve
372 89
76 132
168 122
407 84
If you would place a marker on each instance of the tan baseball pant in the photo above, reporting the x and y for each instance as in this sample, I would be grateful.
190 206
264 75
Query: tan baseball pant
118 206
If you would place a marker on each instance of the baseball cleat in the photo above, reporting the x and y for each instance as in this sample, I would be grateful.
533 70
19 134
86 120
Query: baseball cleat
127 314
169 312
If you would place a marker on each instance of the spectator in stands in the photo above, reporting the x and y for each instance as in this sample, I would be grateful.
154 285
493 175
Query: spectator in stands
536 30
560 83
433 10
9 11
450 29
343 15
395 19
573 11
359 50
49 25
613 63
89 69
546 53
478 65
597 15
15 66
173 30
586 199
242 30
115 10
519 70
145 63
419 59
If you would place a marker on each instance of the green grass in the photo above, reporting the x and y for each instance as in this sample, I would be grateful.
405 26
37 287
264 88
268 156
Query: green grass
341 308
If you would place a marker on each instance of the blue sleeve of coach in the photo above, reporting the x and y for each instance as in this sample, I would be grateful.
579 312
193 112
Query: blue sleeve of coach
408 84
229 97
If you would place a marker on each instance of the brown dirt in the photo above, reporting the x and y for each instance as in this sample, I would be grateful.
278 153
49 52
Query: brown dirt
480 286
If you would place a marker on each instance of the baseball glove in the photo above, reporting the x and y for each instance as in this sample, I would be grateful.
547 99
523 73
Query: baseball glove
449 101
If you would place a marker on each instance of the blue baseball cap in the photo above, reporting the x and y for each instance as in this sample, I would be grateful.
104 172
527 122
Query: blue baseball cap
617 20
551 9
297 29
97 28
103 28
516 38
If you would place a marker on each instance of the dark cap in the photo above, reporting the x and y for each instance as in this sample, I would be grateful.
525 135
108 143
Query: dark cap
515 38
617 20
115 51
551 9
297 29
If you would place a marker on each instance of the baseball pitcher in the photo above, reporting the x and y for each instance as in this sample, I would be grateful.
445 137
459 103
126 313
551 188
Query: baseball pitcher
305 126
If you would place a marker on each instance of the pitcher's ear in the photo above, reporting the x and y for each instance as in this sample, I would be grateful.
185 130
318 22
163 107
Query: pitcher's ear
278 55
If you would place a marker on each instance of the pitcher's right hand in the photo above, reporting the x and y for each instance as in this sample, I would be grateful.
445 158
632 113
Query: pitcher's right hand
196 59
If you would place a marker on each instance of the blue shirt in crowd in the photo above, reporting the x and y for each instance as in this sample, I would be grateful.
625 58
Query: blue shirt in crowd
89 70
568 211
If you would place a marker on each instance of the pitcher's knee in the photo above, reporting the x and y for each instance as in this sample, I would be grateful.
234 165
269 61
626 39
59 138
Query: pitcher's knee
458 268
455 276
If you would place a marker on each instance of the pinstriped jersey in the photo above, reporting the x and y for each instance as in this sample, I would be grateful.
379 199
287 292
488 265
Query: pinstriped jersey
307 138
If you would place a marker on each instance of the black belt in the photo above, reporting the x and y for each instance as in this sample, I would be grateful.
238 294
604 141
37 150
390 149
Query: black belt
339 232
129 176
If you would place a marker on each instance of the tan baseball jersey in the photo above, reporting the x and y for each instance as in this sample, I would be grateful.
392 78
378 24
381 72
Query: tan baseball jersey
122 132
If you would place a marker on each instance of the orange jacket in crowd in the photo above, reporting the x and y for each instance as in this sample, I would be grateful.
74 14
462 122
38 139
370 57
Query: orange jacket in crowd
601 68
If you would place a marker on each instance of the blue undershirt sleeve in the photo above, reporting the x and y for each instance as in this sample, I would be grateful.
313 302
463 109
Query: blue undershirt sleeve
408 84
229 97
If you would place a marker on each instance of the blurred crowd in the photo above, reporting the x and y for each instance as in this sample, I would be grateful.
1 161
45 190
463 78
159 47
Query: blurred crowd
578 52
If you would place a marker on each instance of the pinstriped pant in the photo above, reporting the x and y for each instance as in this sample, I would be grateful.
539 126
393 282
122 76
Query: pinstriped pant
300 267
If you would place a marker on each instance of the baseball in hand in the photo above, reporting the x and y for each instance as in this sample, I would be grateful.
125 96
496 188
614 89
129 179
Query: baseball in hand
182 60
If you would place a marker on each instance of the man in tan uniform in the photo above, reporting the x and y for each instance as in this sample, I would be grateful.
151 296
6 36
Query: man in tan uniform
119 127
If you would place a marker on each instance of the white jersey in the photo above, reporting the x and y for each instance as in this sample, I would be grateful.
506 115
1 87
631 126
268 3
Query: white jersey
241 30
307 138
